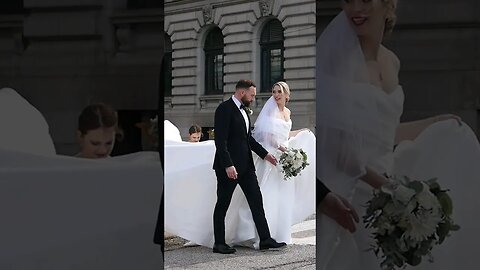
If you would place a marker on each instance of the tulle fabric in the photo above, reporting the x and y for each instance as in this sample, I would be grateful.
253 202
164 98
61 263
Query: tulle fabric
190 190
350 129
452 154
286 202
171 132
23 127
268 131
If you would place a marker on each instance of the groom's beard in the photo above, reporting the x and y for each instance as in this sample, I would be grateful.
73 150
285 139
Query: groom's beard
245 102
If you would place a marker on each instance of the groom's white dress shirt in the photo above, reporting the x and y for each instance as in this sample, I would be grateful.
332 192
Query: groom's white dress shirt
243 112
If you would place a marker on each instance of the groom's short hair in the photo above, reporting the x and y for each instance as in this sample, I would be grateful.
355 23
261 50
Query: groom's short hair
244 84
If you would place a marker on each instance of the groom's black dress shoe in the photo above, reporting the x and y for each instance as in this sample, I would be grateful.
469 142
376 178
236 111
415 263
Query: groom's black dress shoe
223 248
271 244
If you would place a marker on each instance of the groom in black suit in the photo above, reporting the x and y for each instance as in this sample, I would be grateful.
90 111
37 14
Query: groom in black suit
233 165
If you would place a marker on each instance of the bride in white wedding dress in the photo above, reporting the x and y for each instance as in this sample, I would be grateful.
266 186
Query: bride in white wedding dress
190 182
361 140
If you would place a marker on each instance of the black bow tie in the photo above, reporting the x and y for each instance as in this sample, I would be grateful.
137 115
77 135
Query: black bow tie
242 106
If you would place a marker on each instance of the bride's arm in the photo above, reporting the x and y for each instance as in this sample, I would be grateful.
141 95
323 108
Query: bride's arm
276 144
294 133
268 139
410 130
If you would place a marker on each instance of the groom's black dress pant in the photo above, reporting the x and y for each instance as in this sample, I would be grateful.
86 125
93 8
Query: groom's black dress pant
225 188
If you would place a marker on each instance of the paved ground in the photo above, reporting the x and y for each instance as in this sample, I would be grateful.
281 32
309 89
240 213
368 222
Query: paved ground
299 255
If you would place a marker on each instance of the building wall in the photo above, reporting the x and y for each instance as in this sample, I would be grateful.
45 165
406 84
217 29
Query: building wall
437 43
63 55
241 23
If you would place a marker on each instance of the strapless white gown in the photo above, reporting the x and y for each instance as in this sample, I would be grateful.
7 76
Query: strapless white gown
444 150
190 193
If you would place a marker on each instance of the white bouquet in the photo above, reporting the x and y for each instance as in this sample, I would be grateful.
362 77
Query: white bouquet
409 218
293 161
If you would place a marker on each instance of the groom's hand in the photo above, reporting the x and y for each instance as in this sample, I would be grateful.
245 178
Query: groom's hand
232 172
270 158
340 210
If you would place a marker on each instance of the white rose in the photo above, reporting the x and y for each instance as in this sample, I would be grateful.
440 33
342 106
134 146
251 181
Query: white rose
403 194
421 225
297 164
398 192
427 199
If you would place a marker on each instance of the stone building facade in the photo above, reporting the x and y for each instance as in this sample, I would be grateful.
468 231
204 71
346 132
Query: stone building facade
437 43
62 55
258 40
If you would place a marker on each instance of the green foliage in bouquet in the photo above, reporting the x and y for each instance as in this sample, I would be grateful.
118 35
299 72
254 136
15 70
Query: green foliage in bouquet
409 217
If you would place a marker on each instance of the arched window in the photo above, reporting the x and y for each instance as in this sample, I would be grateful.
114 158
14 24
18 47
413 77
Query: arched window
166 79
271 46
214 62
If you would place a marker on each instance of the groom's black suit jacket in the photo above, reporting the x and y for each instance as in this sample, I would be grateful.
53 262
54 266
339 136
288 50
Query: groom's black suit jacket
234 144
322 191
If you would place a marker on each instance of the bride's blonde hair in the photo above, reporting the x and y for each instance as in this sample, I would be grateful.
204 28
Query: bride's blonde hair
285 88
391 16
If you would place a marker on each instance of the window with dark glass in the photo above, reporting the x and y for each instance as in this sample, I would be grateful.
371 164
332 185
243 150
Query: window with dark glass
214 62
137 4
166 80
271 46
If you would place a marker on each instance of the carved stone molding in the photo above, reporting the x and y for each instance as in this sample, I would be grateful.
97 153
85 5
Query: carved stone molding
167 103
210 102
208 14
265 7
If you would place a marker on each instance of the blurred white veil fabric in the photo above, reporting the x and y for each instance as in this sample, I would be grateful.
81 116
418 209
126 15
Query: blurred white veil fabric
349 129
266 131
23 126
61 212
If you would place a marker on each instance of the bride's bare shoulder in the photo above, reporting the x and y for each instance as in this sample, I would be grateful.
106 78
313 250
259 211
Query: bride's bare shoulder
390 57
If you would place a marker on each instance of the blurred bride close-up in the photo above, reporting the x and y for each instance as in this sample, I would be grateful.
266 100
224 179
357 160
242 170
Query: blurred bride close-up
64 212
362 145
